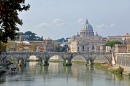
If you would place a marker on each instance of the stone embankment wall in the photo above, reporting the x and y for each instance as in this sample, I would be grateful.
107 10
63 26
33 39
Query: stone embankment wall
123 60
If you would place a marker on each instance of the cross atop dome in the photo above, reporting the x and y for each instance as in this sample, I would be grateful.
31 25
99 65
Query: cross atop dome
86 21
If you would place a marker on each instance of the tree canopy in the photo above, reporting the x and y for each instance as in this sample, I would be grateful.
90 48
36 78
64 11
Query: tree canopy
60 49
29 36
9 18
62 40
112 43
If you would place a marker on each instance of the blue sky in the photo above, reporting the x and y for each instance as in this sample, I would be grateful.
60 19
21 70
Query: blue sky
64 18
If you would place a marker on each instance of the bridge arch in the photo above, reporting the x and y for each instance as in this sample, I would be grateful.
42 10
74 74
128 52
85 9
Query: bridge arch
32 58
105 58
79 58
56 57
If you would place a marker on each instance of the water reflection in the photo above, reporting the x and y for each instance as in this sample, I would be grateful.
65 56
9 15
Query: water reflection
57 75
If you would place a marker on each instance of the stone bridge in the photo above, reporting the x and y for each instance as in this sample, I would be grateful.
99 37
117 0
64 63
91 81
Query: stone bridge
67 57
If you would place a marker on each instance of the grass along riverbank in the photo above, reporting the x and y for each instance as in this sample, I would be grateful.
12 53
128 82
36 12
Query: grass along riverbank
101 66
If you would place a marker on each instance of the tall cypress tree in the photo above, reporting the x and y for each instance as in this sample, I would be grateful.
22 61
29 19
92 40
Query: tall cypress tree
9 18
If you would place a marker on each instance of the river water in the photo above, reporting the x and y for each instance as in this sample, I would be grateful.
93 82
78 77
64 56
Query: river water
58 75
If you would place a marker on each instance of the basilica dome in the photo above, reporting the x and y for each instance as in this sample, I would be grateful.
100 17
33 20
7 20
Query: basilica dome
87 27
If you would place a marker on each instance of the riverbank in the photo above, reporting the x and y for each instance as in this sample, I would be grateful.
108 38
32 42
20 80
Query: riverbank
101 66
126 69
114 68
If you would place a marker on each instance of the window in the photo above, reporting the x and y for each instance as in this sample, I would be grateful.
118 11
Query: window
88 49
78 48
82 48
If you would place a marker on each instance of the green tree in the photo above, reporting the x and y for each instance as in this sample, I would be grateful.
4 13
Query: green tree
61 40
60 49
112 43
9 18
30 36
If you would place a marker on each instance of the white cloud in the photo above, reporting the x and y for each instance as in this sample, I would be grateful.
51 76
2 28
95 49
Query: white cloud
100 26
104 26
80 20
112 25
58 22
43 25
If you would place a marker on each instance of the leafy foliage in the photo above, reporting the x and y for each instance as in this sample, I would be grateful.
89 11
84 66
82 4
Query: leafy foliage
28 35
60 49
9 18
119 70
62 40
112 43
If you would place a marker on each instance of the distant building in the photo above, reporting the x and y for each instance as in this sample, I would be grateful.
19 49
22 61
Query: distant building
102 48
21 46
114 38
40 47
108 49
125 37
86 41
128 48
122 48
119 38
26 46
48 45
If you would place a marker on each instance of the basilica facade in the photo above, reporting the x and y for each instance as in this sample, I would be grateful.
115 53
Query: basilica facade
86 40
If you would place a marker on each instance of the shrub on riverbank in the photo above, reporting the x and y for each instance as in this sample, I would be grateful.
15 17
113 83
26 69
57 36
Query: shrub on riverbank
119 70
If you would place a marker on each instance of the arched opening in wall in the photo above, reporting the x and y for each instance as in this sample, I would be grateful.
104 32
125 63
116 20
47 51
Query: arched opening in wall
32 61
79 58
56 58
33 58
103 59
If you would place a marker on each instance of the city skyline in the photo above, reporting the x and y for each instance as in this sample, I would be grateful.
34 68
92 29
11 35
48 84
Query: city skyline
57 19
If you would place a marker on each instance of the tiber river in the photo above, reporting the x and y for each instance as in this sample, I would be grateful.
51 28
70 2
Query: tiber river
58 75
